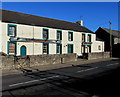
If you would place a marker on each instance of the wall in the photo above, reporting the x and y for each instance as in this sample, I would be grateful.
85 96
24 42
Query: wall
29 31
98 55
95 46
11 62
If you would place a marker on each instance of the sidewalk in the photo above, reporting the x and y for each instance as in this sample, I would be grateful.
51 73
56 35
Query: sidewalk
52 66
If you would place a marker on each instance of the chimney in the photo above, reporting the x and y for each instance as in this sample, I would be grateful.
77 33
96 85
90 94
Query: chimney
80 22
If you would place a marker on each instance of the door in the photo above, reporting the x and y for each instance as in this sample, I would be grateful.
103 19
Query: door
23 51
70 48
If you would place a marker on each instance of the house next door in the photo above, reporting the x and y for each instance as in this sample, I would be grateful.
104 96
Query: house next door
23 51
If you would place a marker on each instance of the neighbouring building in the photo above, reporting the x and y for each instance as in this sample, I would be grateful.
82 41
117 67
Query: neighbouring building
25 34
104 34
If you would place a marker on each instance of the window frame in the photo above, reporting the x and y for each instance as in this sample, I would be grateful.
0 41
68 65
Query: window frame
60 48
90 37
70 39
60 35
44 29
12 25
8 48
83 34
47 48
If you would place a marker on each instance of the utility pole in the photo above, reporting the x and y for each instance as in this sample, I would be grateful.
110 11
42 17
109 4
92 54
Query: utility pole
110 38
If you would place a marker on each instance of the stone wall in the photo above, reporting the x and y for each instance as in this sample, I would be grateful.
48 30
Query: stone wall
7 62
91 56
11 62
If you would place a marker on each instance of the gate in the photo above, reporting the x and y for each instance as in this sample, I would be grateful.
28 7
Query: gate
21 61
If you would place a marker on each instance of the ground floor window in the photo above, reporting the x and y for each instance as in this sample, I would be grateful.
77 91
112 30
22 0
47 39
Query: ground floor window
83 49
11 48
70 48
88 49
59 49
45 48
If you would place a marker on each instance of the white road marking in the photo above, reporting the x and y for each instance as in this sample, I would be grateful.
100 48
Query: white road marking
112 64
15 84
87 69
33 81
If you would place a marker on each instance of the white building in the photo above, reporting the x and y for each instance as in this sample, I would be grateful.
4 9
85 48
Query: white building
25 34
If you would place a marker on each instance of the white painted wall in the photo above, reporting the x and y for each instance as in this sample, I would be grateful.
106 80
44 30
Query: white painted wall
95 46
5 37
37 50
29 31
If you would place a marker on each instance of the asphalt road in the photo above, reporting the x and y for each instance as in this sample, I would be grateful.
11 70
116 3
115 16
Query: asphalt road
58 81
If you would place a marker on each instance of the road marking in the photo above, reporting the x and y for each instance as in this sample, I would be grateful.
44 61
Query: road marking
33 81
112 64
15 84
88 69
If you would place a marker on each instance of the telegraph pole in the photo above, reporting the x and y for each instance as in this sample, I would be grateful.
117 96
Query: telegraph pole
110 38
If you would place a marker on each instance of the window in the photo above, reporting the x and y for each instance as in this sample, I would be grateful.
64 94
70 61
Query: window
83 49
12 48
59 35
89 49
59 49
45 49
45 34
99 47
89 38
83 37
70 36
11 30
70 48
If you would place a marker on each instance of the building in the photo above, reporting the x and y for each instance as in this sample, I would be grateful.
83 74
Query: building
25 34
104 34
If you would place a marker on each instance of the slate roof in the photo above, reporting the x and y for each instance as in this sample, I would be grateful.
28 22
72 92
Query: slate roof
115 33
28 19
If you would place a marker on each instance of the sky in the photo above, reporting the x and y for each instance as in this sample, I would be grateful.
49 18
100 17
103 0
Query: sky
94 14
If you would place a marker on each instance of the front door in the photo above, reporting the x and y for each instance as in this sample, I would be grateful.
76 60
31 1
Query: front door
23 51
70 48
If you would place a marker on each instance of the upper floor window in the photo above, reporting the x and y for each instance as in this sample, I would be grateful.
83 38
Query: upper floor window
89 38
83 37
45 34
70 36
12 30
59 35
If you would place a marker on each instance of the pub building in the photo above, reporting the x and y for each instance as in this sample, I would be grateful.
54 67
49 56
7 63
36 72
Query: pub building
26 34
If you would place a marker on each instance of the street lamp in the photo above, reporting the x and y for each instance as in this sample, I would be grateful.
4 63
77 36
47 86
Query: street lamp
110 38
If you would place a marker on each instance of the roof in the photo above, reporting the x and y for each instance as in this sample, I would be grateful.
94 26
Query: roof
115 33
28 19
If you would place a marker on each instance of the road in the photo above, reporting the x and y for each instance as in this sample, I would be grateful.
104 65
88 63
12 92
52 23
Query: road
60 82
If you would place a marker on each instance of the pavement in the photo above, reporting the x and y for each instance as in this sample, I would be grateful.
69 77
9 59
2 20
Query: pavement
52 66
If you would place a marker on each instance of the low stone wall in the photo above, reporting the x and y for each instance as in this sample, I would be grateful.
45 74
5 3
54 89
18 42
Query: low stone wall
91 56
7 62
11 62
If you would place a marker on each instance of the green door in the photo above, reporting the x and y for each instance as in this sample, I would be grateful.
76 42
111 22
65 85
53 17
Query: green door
23 51
70 48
